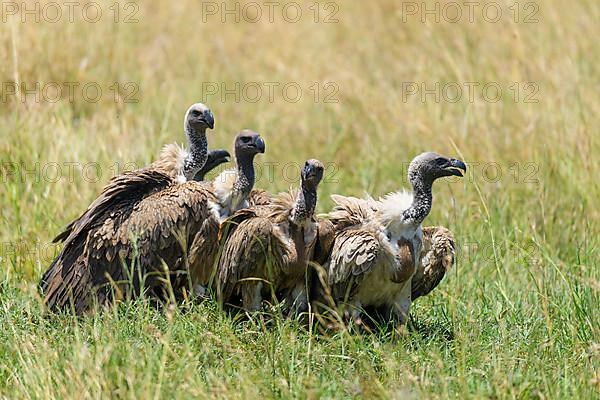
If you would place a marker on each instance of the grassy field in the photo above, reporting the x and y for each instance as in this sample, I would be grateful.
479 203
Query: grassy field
364 87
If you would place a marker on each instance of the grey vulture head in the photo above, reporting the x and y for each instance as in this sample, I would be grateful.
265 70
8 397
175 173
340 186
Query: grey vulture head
312 173
198 118
427 167
247 144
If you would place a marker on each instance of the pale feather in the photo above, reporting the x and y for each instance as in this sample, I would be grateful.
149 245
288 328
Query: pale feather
171 161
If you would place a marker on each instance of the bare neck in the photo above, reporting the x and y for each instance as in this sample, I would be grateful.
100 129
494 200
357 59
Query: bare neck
421 204
306 202
245 178
197 153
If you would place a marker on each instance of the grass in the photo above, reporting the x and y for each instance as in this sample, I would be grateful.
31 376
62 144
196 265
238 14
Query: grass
517 318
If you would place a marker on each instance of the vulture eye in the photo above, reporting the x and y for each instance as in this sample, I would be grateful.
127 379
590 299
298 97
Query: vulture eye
195 113
245 139
441 161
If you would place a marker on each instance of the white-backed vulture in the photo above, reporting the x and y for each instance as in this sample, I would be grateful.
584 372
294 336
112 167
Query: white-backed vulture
377 243
141 215
230 191
233 186
215 158
437 258
148 230
267 248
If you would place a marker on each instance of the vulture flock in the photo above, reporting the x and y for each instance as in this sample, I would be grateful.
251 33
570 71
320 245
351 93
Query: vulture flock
165 233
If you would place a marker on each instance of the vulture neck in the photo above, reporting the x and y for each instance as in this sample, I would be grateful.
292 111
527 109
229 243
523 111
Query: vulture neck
306 202
197 153
244 181
421 204
211 163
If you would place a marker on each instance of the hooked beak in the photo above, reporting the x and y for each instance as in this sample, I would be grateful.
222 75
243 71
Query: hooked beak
209 119
456 166
260 144
219 155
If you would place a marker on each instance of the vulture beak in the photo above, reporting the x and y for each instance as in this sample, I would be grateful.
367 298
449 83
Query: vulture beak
455 167
259 143
209 119
313 169
220 155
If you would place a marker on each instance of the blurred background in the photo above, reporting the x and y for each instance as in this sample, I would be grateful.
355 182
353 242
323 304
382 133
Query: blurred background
95 88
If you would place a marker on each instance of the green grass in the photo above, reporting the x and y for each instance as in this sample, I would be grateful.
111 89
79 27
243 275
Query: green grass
518 317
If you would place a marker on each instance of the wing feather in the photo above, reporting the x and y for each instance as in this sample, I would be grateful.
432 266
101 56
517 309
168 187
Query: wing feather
437 258
355 252
246 249
148 230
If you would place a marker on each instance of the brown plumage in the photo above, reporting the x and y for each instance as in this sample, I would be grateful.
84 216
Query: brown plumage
232 187
267 248
138 230
377 244
437 258
259 197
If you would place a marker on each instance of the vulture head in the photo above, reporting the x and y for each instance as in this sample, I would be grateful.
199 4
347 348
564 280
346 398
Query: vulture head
247 144
312 173
216 158
428 167
199 117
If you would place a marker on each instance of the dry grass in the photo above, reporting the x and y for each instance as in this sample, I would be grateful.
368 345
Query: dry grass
518 318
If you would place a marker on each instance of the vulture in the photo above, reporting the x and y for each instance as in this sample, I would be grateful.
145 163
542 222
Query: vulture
437 257
230 192
147 227
232 187
215 158
267 248
377 244
143 203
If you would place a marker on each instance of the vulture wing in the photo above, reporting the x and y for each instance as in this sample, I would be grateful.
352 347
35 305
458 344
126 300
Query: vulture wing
138 241
68 271
253 247
355 252
325 239
437 257
125 188
259 197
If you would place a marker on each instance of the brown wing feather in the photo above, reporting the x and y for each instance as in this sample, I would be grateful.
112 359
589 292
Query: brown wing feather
406 261
353 255
257 244
165 229
125 188
325 239
350 211
259 197
148 234
252 247
68 277
437 257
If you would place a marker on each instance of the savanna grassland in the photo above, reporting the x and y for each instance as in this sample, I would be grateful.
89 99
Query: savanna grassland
519 316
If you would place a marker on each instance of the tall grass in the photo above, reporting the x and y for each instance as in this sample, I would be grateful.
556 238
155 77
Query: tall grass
517 318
